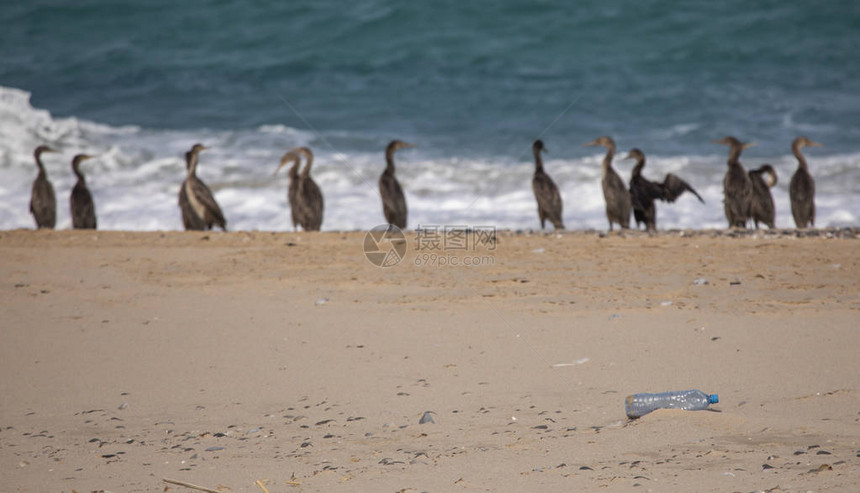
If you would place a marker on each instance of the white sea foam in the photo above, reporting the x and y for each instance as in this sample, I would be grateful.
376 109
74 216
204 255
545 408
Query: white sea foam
136 178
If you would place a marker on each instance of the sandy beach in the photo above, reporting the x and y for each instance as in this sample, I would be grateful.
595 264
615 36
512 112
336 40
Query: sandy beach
254 361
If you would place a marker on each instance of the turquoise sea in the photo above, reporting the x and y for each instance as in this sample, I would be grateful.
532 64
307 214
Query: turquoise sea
471 83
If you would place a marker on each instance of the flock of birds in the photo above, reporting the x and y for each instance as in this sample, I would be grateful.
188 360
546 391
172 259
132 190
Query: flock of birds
747 195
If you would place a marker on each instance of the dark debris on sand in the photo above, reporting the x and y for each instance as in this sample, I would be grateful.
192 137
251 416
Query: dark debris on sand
846 233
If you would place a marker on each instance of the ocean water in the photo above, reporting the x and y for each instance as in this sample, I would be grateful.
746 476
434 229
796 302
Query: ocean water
471 83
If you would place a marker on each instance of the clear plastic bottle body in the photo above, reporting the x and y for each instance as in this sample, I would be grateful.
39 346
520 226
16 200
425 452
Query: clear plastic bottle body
638 405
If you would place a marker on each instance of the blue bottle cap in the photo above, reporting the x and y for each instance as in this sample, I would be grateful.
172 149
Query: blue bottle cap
713 398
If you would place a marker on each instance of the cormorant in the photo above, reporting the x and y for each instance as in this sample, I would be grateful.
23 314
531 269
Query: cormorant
546 192
309 195
43 202
293 187
737 187
761 206
801 189
393 201
81 200
202 203
189 218
643 192
614 191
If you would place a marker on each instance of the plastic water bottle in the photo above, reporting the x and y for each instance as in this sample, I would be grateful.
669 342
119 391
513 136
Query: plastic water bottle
639 405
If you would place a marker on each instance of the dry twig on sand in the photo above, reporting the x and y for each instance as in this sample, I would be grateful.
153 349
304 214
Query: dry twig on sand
189 485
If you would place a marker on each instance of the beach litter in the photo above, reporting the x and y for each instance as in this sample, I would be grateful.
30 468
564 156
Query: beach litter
577 362
638 405
426 418
700 281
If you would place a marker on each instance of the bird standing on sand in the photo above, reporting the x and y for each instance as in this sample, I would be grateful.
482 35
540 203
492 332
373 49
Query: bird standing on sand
309 195
189 218
393 201
615 193
546 192
81 200
761 205
202 211
43 202
737 187
801 189
644 192
293 187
